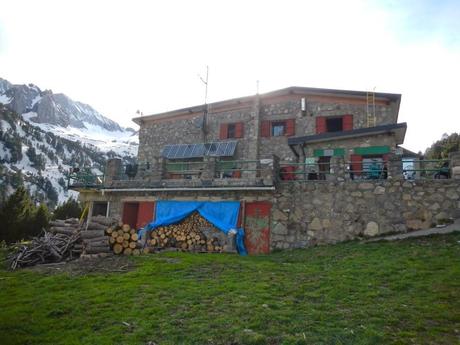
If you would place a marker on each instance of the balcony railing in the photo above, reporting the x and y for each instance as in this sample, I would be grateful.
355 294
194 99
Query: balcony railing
257 173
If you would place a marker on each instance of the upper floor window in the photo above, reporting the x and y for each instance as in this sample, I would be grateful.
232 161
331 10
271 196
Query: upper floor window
326 124
231 130
277 128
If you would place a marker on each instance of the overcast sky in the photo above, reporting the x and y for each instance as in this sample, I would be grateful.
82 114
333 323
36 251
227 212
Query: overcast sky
120 56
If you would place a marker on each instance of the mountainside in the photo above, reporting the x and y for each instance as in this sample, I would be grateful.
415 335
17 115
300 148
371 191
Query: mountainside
67 118
43 135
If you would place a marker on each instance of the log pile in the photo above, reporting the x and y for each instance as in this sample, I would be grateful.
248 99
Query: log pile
123 239
69 227
94 238
192 234
47 248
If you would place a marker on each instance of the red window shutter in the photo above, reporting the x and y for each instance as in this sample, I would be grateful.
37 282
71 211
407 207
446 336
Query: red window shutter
239 130
356 164
223 131
265 129
320 125
348 122
290 127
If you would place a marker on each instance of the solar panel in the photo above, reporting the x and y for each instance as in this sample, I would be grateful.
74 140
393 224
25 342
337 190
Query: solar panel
215 149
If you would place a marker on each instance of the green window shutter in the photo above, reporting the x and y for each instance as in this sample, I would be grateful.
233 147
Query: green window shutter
318 153
339 152
372 150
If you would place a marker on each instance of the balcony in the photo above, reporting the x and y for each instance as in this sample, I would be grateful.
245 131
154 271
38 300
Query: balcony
163 174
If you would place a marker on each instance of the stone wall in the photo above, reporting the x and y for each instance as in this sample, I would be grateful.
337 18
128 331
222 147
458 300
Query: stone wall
305 214
154 135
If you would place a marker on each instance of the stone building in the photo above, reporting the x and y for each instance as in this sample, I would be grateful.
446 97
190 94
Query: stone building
308 166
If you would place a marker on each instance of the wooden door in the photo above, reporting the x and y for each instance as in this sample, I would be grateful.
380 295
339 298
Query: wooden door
130 210
145 214
257 227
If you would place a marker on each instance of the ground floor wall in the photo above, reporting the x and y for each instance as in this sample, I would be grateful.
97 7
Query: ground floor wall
299 214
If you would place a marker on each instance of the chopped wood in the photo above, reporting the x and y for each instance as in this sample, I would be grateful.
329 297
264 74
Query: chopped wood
117 248
134 237
126 227
96 226
92 234
127 251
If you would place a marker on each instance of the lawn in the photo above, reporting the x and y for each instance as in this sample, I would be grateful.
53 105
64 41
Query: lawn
405 292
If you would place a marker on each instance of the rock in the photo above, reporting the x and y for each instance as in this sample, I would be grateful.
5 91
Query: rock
406 197
379 190
366 186
435 207
278 215
357 194
326 223
315 224
372 229
453 195
441 216
414 224
280 229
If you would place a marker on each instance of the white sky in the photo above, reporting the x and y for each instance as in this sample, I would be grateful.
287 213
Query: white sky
120 56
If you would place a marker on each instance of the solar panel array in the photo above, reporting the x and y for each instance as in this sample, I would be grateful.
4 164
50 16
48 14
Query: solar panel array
216 149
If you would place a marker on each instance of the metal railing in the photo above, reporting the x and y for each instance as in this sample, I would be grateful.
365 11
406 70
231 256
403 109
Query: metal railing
85 179
290 172
184 170
426 169
236 169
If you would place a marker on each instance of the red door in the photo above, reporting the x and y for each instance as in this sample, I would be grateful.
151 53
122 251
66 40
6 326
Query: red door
257 227
145 214
130 210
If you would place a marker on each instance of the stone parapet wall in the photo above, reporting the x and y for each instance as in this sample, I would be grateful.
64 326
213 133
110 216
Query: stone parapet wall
305 214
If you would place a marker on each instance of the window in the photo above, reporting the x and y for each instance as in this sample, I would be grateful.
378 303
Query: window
231 131
99 209
334 124
278 128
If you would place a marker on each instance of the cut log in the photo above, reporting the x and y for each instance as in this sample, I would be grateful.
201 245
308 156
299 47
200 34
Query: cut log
132 231
112 240
117 248
126 236
126 227
132 245
109 231
120 232
134 237
92 234
114 234
136 252
146 250
103 220
120 239
96 226
125 244
127 251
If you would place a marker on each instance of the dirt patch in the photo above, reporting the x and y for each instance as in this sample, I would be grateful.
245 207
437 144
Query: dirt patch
109 264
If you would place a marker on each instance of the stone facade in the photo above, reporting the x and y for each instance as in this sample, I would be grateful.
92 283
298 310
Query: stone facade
311 213
183 127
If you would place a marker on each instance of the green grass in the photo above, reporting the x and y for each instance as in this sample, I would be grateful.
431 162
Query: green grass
404 292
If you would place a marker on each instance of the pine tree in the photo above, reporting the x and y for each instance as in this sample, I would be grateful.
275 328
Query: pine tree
70 209
16 216
42 217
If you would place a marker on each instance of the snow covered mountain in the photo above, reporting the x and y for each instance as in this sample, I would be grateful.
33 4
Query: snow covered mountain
69 119
43 135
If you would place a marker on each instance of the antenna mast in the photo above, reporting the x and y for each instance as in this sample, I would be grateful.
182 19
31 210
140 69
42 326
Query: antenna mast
205 112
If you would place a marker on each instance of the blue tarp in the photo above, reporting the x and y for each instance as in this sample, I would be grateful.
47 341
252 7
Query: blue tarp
222 214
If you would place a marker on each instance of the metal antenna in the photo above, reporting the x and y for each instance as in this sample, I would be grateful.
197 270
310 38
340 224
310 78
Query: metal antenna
205 113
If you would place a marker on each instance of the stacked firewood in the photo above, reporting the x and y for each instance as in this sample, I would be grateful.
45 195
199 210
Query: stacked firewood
94 238
123 239
69 227
47 248
192 234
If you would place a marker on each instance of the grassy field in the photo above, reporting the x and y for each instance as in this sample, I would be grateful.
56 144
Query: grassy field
405 292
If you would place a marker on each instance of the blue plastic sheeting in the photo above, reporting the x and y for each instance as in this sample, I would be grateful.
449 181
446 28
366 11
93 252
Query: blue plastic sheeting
223 215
